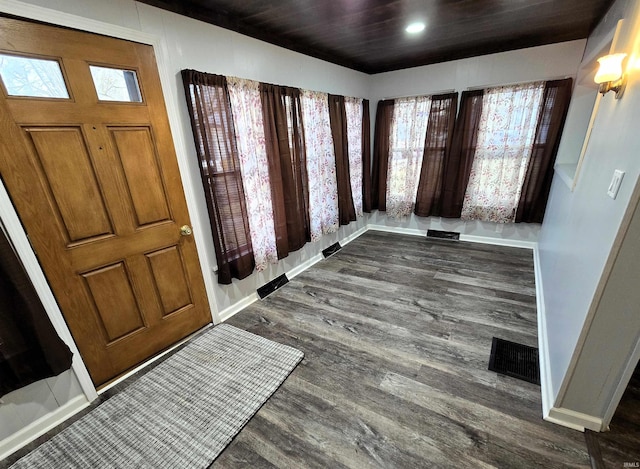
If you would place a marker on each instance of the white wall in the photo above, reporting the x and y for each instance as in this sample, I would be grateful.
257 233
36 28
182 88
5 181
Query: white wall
26 405
585 99
578 235
613 334
535 63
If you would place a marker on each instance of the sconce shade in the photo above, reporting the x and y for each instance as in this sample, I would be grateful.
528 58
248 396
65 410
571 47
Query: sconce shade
610 68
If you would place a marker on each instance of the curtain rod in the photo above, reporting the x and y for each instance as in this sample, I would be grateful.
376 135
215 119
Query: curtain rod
288 86
414 95
474 88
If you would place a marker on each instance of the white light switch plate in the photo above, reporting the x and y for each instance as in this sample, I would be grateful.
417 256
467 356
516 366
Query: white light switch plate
614 186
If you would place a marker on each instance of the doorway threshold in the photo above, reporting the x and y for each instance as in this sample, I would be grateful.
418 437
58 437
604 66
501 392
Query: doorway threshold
156 358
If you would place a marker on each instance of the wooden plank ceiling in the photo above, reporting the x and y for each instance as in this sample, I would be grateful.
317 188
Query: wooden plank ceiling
369 35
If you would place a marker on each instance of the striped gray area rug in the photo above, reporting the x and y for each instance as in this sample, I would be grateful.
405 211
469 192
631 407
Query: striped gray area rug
182 413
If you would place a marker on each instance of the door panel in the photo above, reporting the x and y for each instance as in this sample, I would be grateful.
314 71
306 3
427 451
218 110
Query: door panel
98 189
139 161
173 291
69 173
119 313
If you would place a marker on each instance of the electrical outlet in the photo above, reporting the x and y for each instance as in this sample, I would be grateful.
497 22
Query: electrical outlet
614 186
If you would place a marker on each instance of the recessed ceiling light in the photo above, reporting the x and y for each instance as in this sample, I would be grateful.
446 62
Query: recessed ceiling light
416 27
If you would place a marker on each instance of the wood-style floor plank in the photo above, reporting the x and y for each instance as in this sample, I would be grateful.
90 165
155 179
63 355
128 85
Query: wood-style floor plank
396 332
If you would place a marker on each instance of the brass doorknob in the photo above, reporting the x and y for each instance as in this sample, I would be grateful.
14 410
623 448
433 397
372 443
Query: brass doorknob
185 230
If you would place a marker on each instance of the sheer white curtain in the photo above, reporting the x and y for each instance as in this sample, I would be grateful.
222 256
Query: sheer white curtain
353 109
406 147
321 164
505 138
247 118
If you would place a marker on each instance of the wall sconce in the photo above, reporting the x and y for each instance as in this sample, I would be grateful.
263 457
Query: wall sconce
610 76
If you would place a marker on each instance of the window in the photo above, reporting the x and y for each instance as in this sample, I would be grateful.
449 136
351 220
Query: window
222 176
244 98
406 148
505 139
321 164
353 111
214 137
114 84
31 77
268 166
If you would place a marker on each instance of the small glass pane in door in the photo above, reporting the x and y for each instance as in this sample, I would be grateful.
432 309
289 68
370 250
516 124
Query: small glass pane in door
114 84
31 77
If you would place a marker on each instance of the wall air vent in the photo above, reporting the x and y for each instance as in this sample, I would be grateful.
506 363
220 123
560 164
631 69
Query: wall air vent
443 234
331 250
268 288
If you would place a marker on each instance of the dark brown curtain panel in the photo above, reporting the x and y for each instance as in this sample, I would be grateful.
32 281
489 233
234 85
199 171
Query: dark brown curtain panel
366 157
437 147
382 131
284 136
338 120
270 98
214 135
537 182
30 349
457 167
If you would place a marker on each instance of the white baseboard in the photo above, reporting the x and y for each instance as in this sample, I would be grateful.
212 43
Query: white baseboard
558 415
354 235
32 431
546 389
576 420
397 229
514 243
297 270
237 307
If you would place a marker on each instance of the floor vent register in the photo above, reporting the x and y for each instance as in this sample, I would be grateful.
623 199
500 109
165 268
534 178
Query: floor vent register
515 360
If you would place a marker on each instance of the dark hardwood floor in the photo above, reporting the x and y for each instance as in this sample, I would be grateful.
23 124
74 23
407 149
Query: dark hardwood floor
396 332
621 444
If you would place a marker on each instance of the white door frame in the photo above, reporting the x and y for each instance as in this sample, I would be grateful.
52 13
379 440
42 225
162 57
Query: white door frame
12 221
22 246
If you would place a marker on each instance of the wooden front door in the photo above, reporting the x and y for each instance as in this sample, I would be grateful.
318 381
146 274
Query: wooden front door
87 156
